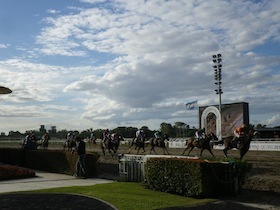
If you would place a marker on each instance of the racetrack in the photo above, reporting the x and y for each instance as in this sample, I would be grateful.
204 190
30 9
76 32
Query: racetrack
264 176
262 185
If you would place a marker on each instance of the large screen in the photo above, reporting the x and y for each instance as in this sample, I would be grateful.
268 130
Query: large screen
233 116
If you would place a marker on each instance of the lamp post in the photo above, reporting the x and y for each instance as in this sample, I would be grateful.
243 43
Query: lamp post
217 60
4 90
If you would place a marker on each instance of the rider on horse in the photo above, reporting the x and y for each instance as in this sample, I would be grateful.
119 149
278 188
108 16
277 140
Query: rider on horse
200 135
140 135
157 138
239 133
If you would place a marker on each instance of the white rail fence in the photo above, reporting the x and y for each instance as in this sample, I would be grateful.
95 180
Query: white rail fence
260 145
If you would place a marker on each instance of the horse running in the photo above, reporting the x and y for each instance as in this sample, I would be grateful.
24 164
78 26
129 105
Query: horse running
159 143
138 143
111 143
70 143
243 145
202 144
45 141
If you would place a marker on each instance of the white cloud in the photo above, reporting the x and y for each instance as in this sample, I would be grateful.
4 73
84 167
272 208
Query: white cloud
150 57
3 46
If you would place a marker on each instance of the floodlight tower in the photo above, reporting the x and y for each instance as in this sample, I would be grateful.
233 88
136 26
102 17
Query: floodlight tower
217 60
4 90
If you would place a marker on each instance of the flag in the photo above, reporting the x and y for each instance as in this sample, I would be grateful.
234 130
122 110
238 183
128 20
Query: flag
191 105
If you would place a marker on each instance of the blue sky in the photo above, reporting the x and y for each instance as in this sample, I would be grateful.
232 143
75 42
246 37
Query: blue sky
102 64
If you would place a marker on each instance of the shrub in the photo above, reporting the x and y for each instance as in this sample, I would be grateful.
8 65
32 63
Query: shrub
14 172
56 161
194 177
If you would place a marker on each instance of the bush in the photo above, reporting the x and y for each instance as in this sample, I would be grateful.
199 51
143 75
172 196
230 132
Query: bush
14 172
194 177
56 161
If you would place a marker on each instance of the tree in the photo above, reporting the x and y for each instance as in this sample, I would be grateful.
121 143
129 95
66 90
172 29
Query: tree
181 129
167 128
259 126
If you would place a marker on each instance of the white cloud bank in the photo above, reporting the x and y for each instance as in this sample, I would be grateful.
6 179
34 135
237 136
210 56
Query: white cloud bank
138 62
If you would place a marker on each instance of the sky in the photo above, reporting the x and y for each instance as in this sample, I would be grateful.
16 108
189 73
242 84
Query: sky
80 64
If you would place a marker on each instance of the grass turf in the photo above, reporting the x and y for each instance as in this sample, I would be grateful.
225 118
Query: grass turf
130 196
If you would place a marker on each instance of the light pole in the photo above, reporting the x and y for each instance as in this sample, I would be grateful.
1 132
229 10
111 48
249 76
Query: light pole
217 60
4 90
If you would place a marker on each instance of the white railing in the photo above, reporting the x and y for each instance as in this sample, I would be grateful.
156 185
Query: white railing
256 144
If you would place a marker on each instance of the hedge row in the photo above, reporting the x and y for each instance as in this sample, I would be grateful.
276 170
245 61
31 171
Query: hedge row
55 161
195 178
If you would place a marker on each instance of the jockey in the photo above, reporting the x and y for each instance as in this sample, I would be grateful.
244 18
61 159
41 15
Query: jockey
140 135
106 135
114 137
46 138
165 137
70 136
157 137
200 135
239 133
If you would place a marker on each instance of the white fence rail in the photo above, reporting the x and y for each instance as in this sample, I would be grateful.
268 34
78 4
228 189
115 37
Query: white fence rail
260 145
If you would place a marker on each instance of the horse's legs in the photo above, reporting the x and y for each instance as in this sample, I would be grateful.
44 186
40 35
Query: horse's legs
211 152
225 151
201 152
164 149
209 149
103 150
153 149
185 149
190 150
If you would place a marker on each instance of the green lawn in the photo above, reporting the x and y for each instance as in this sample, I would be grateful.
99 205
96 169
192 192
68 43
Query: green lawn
130 196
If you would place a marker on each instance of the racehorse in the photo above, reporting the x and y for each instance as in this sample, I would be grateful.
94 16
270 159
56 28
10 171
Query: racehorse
243 145
45 141
139 144
111 143
70 143
159 143
30 142
202 144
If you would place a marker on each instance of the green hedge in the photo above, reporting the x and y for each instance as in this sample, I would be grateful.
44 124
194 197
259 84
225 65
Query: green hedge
55 161
195 177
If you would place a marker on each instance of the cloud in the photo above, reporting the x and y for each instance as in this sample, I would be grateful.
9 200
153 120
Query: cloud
52 11
3 46
274 121
121 62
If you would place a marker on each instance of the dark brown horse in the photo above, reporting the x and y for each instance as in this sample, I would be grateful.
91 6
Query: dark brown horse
159 143
111 143
138 143
201 144
243 145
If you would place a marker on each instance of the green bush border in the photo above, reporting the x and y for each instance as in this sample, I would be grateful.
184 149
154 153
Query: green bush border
55 161
195 177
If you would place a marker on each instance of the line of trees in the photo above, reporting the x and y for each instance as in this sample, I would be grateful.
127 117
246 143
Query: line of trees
178 130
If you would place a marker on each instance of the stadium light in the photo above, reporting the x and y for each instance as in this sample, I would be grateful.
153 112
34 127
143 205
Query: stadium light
4 90
217 60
